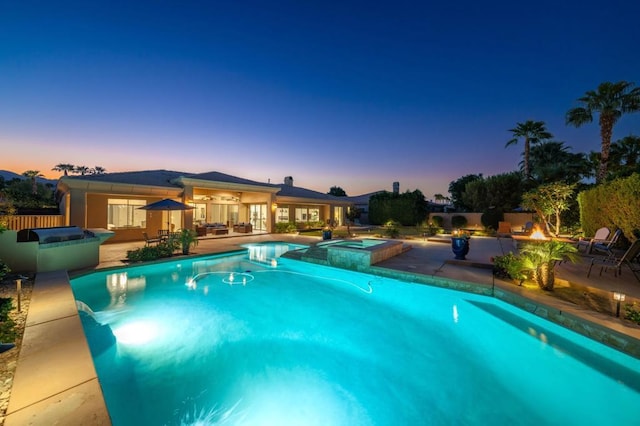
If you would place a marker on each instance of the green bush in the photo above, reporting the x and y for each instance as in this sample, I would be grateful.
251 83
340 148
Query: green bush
148 253
437 221
490 218
458 221
285 227
407 208
7 325
509 266
6 305
4 269
632 313
611 204
392 229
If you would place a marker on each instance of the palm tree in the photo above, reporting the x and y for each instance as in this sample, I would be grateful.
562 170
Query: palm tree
82 170
97 170
552 162
624 156
64 167
611 100
533 132
541 258
33 174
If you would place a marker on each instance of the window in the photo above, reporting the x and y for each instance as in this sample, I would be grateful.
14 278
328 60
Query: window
123 213
307 214
199 212
282 214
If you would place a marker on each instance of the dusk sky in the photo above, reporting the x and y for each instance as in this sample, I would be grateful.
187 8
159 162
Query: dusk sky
352 94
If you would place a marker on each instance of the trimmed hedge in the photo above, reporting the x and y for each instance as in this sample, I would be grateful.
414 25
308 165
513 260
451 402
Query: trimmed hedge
491 217
438 221
458 221
612 204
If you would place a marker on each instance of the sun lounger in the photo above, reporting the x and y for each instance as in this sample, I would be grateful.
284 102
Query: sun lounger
628 258
600 237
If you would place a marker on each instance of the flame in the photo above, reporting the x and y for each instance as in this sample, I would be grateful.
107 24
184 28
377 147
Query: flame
537 234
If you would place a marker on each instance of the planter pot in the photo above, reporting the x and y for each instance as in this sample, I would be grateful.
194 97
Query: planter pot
326 235
460 247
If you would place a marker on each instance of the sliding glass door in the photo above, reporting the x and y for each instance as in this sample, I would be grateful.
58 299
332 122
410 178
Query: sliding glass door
258 216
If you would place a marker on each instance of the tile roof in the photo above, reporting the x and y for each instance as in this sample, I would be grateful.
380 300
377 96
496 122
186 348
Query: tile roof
146 177
222 177
294 191
167 177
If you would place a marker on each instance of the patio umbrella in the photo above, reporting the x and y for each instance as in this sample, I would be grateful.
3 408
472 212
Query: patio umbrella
166 205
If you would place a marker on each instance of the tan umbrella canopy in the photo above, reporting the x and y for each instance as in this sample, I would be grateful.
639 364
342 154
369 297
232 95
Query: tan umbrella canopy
166 205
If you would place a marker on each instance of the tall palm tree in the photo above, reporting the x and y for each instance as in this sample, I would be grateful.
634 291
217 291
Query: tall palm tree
611 101
33 174
624 156
81 170
532 132
98 170
553 162
64 167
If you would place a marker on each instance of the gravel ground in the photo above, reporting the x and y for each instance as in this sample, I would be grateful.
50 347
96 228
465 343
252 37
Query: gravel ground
9 358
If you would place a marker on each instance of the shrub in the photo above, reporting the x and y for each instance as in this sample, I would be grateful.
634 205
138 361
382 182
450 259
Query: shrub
437 221
509 266
611 204
631 313
391 229
458 221
145 254
491 217
285 227
7 325
4 269
540 259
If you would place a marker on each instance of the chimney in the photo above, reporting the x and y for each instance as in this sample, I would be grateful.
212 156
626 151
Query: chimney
288 180
396 187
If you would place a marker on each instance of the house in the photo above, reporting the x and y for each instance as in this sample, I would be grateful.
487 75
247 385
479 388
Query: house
113 201
361 202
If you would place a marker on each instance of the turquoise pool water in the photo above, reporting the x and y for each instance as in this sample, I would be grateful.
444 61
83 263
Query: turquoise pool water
253 339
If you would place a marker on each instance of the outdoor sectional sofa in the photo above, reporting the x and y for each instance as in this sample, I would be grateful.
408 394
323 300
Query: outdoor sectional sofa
245 228
211 228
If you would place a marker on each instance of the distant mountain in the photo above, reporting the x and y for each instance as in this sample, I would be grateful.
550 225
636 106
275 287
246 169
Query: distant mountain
7 175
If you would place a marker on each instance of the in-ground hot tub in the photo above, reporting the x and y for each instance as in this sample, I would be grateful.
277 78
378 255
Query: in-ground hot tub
359 254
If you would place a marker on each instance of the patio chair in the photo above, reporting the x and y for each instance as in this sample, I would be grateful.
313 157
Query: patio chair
617 262
148 241
607 246
600 237
504 229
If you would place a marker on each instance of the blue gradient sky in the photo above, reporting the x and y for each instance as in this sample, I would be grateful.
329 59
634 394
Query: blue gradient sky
354 94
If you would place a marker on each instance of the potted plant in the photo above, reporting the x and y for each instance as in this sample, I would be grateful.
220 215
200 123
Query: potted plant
460 244
541 257
188 238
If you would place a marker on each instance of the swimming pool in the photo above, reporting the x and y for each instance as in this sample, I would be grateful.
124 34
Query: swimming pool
271 341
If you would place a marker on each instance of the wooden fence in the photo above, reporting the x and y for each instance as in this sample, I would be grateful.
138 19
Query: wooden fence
19 222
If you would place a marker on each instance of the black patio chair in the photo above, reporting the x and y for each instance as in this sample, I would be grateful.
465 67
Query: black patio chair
148 241
612 261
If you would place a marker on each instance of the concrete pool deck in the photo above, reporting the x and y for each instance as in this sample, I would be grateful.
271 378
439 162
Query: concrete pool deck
56 383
